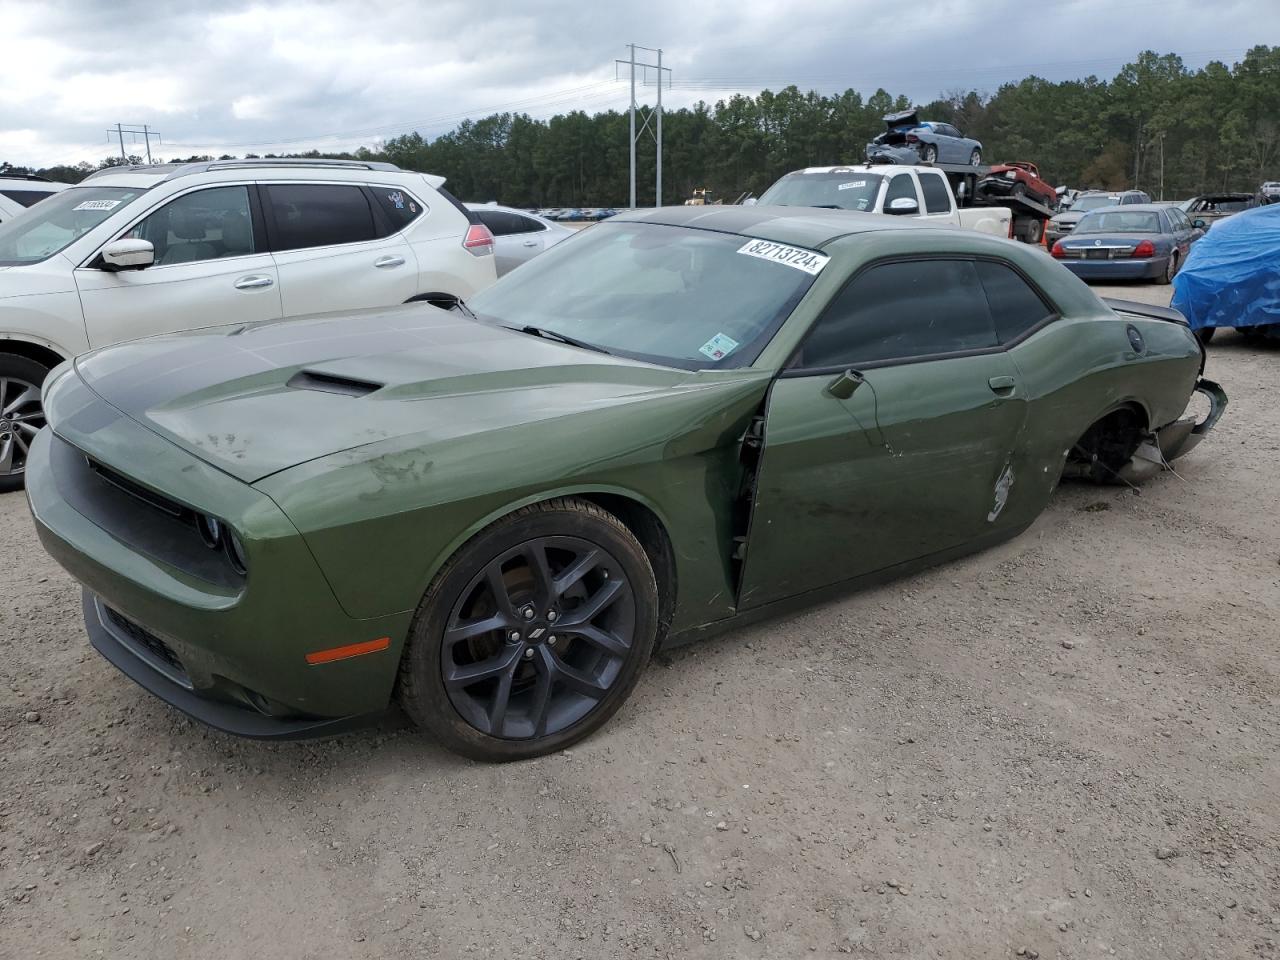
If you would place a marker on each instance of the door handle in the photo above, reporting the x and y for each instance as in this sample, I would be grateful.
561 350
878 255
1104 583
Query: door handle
530 243
1002 386
389 262
253 283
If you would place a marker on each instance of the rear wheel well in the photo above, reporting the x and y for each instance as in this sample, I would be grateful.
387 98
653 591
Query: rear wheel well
32 351
1108 444
444 301
649 530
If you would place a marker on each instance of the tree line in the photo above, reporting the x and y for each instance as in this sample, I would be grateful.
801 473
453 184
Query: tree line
1156 126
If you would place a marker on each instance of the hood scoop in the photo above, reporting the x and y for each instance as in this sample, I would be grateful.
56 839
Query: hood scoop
331 383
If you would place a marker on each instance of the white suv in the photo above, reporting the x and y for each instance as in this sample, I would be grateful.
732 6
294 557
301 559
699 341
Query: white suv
137 251
19 191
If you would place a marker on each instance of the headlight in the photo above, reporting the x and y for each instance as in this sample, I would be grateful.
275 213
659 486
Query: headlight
235 552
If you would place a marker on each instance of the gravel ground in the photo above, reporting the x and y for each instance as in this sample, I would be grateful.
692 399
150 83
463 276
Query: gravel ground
1064 747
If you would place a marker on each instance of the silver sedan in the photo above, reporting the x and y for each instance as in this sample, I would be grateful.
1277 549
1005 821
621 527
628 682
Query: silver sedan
517 234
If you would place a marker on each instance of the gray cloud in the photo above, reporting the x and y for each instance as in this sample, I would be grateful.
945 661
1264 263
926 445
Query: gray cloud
238 76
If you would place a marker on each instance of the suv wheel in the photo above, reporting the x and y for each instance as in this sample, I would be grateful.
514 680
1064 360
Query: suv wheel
533 634
21 415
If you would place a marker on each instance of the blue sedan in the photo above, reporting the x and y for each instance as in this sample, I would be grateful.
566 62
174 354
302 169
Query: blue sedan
1140 241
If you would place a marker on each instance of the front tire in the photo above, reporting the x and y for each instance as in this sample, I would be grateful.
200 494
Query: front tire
929 153
533 635
21 415
1205 334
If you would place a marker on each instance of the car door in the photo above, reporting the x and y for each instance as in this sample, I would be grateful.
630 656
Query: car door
211 268
333 251
909 455
516 238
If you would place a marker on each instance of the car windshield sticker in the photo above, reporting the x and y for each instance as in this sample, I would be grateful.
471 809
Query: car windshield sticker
397 198
852 184
797 257
863 203
719 346
96 205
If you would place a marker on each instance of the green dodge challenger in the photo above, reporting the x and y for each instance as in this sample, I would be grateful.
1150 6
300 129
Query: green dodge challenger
677 420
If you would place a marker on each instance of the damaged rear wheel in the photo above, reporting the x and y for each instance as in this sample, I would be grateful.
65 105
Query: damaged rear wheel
1106 448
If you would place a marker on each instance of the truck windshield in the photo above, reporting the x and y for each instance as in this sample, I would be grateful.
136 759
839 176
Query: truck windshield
847 190
53 224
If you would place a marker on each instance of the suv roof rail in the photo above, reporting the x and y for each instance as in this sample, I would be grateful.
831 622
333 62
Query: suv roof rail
174 170
11 175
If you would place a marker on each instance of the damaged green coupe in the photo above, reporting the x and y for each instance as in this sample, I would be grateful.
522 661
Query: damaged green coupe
676 420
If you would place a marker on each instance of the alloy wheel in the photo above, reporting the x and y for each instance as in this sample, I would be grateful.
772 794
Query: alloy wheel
21 418
538 638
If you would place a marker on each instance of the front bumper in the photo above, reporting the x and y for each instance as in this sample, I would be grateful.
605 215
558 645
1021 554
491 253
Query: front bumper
239 648
118 641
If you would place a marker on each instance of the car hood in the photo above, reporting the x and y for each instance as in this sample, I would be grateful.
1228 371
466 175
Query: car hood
255 400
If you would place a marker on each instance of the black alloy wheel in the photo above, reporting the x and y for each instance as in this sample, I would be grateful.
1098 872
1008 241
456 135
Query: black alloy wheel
533 634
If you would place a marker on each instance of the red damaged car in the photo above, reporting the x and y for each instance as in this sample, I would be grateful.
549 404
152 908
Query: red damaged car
1018 179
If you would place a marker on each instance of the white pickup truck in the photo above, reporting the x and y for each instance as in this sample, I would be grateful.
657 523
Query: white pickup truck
902 191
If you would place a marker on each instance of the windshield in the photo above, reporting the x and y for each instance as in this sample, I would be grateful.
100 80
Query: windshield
1120 221
53 224
1093 203
840 191
674 296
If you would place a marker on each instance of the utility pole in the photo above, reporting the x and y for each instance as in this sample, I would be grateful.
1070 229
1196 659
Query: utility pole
145 132
632 63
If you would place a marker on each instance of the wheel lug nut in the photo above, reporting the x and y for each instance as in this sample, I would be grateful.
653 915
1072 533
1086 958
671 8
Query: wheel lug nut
552 640
514 637
551 615
528 653
527 613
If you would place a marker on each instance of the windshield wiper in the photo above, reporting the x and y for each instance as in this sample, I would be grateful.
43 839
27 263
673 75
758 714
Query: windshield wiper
556 335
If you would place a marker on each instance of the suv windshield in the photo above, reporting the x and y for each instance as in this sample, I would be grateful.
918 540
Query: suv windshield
1093 203
674 296
839 190
1120 221
53 224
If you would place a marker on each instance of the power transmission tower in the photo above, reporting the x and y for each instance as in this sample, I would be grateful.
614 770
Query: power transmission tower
145 132
632 63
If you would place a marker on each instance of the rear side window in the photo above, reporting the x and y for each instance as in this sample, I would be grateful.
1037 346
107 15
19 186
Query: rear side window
319 215
937 198
26 197
1015 305
400 207
902 311
504 224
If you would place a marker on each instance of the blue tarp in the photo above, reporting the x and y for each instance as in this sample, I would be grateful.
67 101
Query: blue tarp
1232 276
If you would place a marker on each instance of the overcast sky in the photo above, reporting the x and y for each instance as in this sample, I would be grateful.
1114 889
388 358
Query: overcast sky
286 76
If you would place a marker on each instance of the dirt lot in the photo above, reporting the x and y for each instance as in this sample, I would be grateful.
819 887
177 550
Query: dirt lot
1065 747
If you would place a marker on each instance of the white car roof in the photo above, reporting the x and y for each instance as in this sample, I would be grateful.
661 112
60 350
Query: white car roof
866 168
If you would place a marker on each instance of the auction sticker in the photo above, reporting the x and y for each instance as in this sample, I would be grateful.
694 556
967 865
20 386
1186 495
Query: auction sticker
852 184
718 347
97 205
797 257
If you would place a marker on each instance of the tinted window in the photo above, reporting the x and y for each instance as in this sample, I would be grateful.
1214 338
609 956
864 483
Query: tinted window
503 224
26 197
901 186
319 214
914 308
937 198
205 225
1015 306
401 208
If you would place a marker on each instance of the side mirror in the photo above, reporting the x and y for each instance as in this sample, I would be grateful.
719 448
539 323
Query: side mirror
903 206
750 202
128 255
842 386
1198 223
